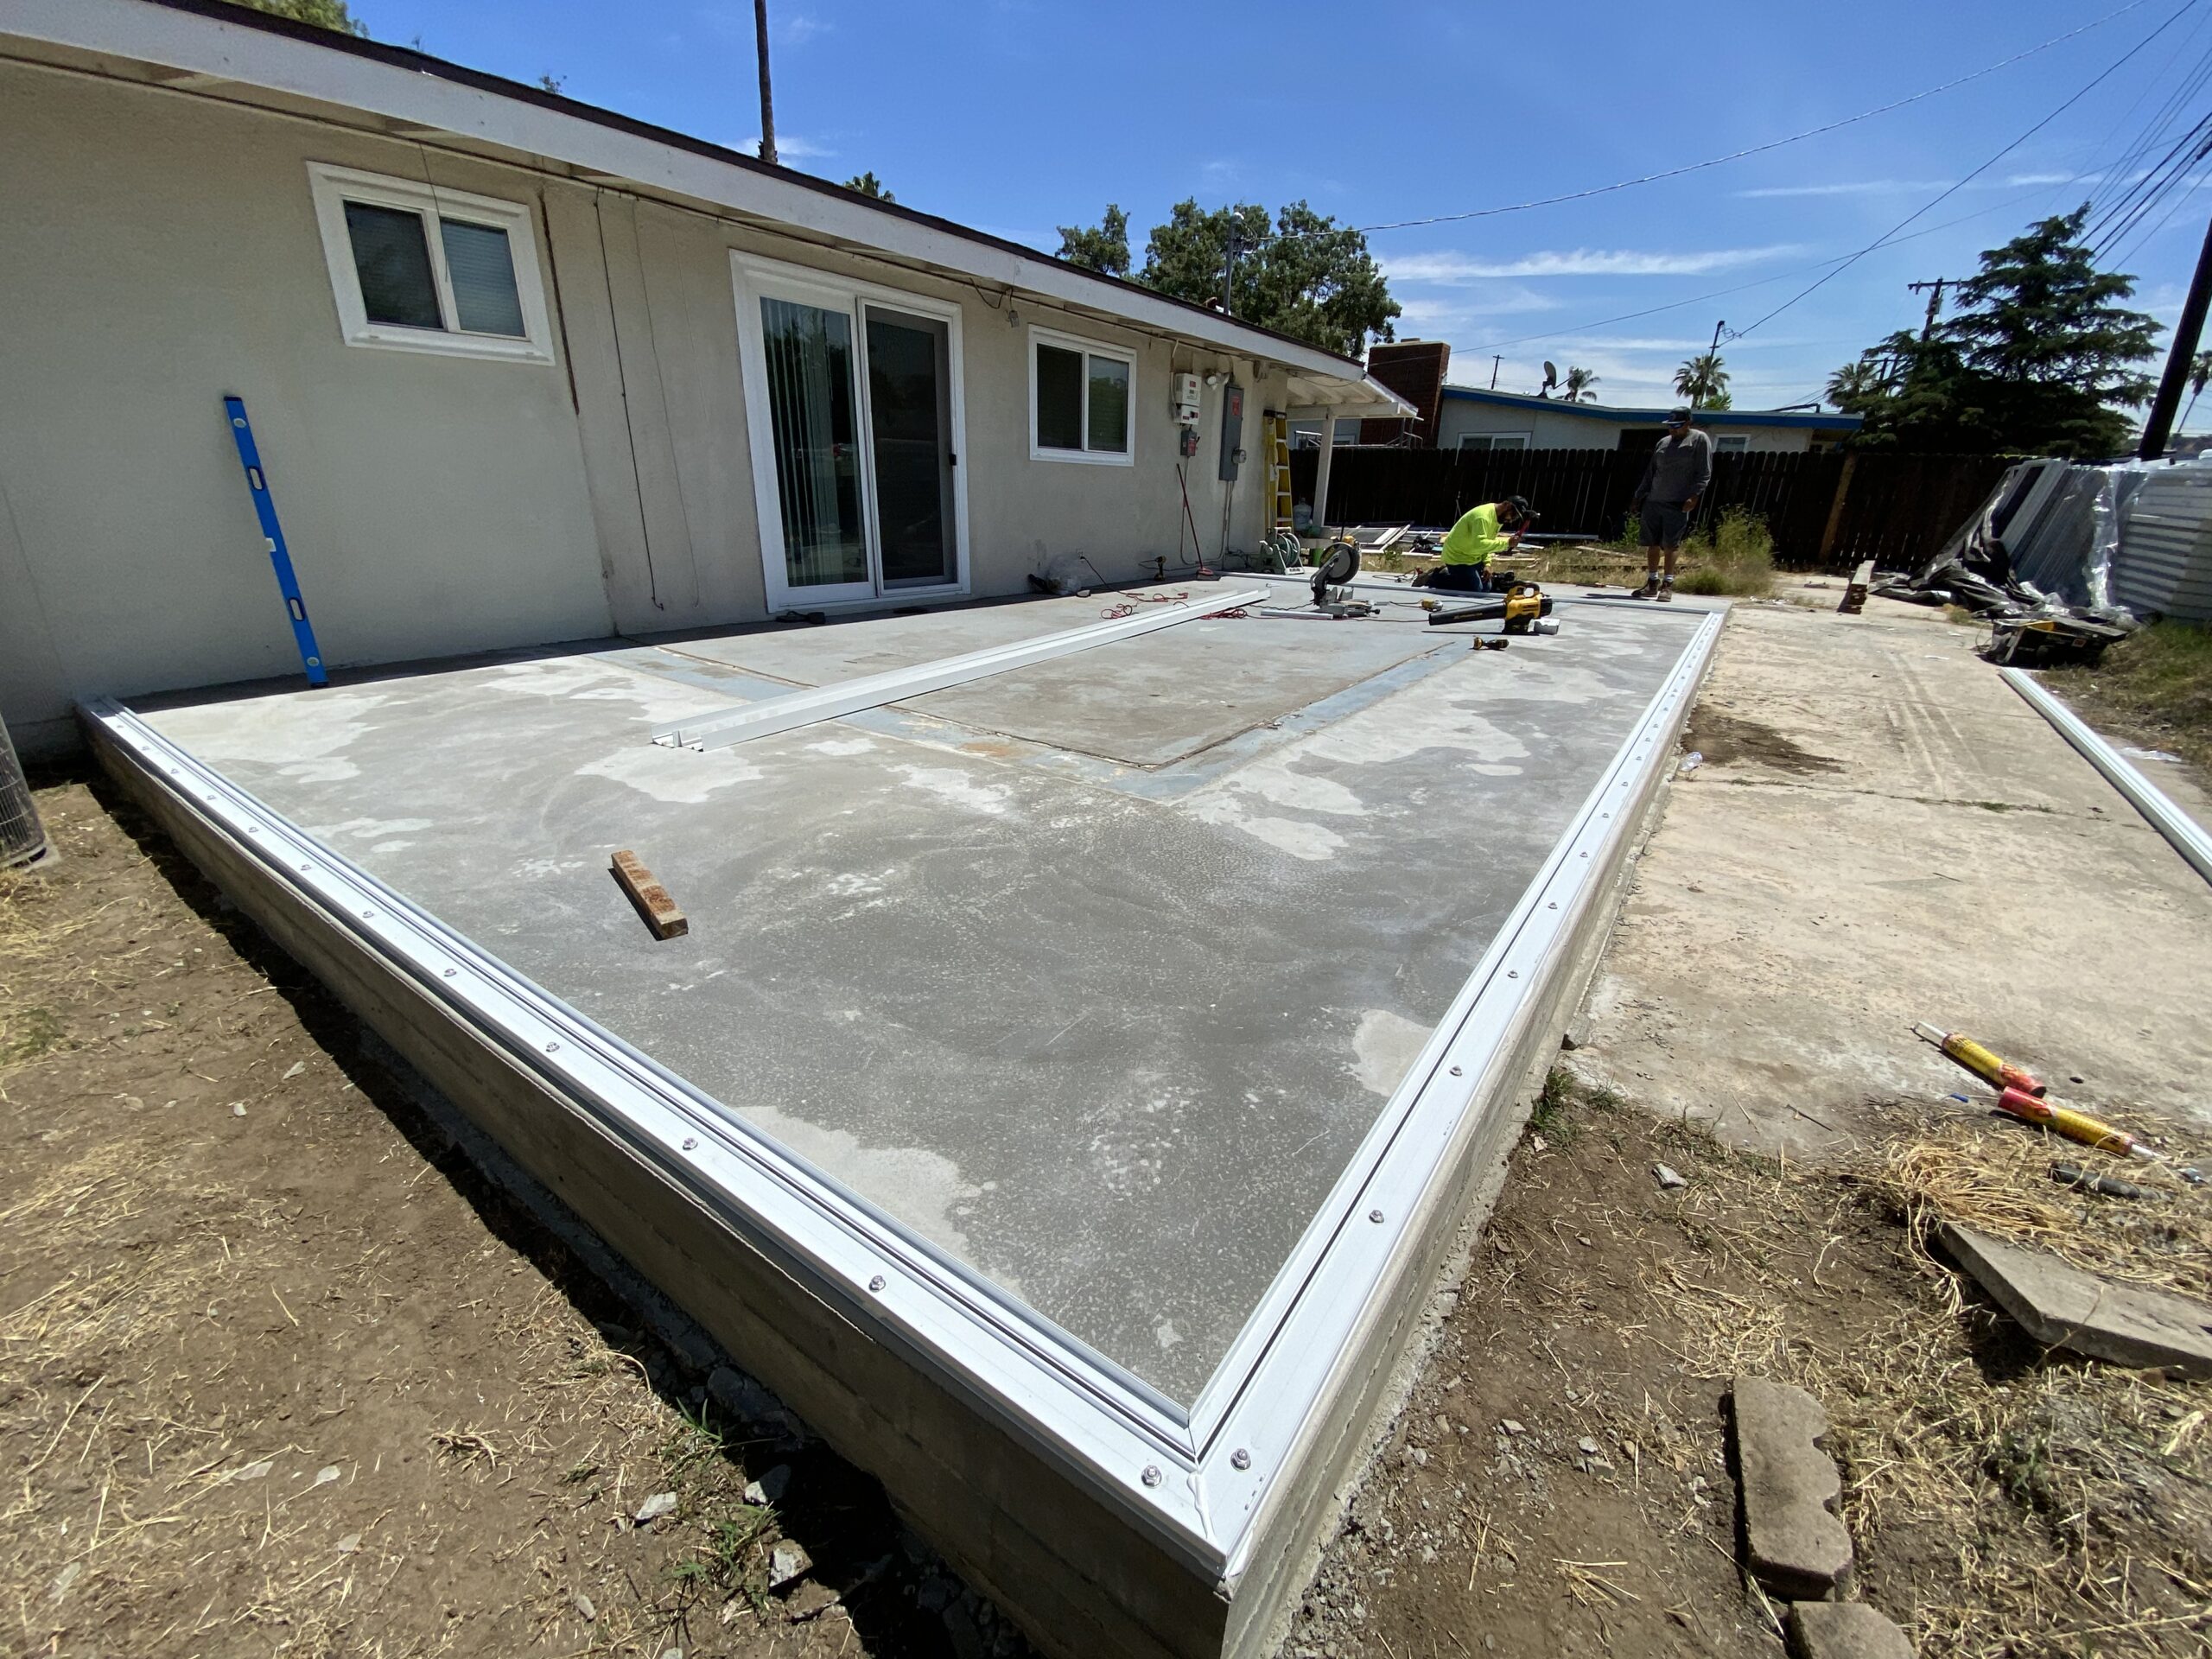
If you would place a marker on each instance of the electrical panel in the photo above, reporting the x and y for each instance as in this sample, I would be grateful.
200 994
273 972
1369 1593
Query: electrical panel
1186 400
1232 430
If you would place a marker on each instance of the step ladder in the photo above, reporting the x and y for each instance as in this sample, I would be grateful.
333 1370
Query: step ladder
1277 438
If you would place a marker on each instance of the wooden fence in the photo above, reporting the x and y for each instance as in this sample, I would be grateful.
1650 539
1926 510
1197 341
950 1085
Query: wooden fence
1896 509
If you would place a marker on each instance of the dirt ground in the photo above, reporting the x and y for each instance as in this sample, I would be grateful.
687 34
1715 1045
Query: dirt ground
1559 1483
281 1372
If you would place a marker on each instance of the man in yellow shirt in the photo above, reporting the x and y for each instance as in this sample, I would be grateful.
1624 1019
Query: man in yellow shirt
1468 546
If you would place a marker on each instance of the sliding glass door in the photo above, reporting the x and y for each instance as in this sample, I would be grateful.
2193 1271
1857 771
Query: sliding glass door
854 397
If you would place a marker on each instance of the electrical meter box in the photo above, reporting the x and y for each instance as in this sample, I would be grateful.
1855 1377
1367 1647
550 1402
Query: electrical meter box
1232 430
1186 400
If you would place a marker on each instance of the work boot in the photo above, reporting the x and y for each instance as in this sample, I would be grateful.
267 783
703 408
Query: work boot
1666 594
1650 588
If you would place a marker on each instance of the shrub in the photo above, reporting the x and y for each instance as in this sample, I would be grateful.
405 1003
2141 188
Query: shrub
1734 555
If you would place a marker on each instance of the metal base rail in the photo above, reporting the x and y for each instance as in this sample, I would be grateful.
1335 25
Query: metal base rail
721 728
2187 836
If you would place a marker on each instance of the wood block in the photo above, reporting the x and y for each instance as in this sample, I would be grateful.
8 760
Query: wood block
650 898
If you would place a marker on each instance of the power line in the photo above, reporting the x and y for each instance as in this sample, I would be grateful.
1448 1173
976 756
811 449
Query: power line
1754 149
1761 281
2082 93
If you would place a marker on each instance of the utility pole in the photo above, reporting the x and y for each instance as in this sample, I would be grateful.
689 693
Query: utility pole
1494 362
1713 355
1229 272
767 102
1934 300
2188 330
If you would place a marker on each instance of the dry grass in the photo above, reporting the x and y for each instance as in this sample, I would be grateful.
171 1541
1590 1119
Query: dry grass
1932 1424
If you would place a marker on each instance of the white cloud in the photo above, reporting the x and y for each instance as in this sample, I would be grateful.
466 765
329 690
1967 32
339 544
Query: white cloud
1449 270
1434 313
789 148
1849 187
798 28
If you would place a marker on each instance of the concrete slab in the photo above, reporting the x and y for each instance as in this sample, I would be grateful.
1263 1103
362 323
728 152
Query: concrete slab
1793 1541
1107 1052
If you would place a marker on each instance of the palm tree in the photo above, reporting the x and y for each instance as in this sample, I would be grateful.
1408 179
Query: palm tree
1854 385
2200 373
1578 383
1701 379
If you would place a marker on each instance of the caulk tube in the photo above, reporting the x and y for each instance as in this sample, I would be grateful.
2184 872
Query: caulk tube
1996 1072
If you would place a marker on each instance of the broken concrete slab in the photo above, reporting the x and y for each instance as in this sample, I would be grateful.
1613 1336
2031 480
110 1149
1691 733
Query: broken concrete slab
1793 1542
1843 1629
2061 1307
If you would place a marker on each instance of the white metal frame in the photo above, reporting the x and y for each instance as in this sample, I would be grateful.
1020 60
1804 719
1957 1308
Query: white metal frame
1491 440
334 187
2186 835
753 278
1088 348
1197 1481
719 729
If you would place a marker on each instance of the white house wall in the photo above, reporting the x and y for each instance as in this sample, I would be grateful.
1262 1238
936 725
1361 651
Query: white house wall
162 251
1555 429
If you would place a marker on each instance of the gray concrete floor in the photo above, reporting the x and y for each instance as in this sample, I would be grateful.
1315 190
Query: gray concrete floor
1093 974
1885 834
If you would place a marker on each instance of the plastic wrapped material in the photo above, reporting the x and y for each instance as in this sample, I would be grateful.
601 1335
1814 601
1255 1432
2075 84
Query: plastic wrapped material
2163 566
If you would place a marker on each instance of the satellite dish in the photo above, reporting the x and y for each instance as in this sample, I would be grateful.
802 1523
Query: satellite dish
1551 375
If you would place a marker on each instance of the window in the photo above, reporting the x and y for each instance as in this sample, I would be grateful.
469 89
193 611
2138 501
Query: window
1079 406
1735 445
424 269
1474 441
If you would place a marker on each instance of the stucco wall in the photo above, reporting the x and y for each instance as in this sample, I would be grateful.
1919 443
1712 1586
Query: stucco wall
161 249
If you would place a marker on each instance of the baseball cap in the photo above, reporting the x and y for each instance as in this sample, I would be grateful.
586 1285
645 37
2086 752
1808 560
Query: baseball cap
1678 417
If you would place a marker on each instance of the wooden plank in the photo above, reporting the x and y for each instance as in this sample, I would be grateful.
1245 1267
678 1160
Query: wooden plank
652 899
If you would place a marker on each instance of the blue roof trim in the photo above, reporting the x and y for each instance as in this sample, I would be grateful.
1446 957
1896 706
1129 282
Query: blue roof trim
1834 422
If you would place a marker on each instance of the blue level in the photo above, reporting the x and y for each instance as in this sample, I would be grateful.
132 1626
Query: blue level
264 507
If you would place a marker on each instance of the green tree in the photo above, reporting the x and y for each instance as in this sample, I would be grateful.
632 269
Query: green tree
2200 374
1855 385
323 14
2040 358
1103 246
1305 275
868 185
1577 386
1704 381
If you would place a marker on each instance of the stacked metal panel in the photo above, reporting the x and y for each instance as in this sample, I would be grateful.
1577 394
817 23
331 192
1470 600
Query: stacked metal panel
2164 565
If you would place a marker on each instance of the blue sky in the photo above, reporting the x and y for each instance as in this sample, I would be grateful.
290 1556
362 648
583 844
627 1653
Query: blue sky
1017 118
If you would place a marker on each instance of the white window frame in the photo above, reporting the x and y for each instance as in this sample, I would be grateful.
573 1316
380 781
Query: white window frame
1733 443
753 277
1085 456
1492 440
334 187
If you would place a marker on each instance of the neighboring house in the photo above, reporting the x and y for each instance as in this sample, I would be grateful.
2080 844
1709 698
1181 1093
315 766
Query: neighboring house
1415 369
523 370
1473 419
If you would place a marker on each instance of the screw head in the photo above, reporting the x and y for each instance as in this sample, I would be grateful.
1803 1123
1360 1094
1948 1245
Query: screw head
1513 973
876 1283
690 1142
450 972
1152 1476
1240 1458
1375 1215
552 1048
1455 1071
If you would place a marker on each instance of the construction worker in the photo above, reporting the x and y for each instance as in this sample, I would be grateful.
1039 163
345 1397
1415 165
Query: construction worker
1675 479
1482 533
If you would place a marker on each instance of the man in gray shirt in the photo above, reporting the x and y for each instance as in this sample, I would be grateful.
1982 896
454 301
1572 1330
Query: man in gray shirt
1675 479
